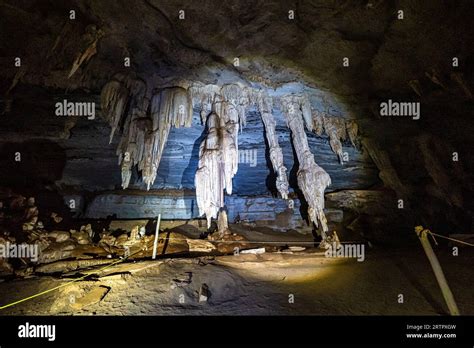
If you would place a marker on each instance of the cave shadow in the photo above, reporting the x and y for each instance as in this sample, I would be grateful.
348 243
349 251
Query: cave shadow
150 229
30 169
414 280
270 181
31 165
293 183
191 168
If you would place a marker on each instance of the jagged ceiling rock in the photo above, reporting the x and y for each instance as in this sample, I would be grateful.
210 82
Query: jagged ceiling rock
409 59
385 53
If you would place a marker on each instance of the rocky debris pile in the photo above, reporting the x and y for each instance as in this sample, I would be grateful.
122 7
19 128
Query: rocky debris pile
19 223
78 296
229 243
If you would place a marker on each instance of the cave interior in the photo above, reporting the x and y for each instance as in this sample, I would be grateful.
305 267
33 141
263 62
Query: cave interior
253 129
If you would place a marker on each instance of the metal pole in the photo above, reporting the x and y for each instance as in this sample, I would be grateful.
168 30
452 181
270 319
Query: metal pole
157 232
443 284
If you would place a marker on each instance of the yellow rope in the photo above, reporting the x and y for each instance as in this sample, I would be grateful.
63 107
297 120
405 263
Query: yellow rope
66 284
449 238
222 241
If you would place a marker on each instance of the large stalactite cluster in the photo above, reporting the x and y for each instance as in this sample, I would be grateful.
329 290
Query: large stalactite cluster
146 120
146 124
337 128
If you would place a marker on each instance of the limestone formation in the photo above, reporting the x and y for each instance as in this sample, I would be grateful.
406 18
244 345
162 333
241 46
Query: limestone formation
276 154
337 128
89 41
146 125
218 153
312 179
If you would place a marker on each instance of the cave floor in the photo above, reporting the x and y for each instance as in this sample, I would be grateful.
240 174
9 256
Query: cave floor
256 285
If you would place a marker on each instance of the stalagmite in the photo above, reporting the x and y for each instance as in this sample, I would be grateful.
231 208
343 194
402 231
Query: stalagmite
276 154
209 179
312 179
222 224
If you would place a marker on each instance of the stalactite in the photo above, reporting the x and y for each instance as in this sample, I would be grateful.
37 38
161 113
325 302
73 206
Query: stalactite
90 40
144 136
318 122
170 107
352 131
276 154
434 76
146 124
335 128
113 99
218 153
203 96
312 179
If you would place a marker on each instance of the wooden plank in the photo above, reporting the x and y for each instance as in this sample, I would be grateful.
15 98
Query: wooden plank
157 232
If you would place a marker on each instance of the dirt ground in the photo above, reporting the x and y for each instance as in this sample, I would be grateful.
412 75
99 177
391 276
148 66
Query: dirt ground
302 283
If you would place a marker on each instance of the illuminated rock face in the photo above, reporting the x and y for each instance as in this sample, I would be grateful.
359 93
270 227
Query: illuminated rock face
145 127
312 179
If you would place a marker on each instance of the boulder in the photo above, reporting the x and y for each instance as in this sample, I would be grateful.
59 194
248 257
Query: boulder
60 236
82 237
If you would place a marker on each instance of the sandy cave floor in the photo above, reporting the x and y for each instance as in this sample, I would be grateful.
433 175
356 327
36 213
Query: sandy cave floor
257 285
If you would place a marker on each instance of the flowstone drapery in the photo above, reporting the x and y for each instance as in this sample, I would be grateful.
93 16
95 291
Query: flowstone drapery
312 179
218 153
